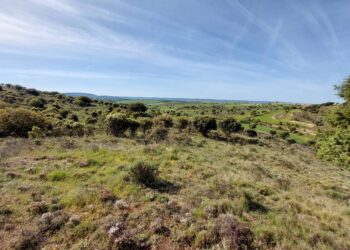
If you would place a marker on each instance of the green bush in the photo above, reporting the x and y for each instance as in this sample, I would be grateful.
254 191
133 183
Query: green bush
273 132
159 134
18 122
204 124
33 92
165 121
182 123
145 124
229 126
144 173
137 107
38 102
284 135
83 101
117 124
36 133
73 117
133 126
251 133
334 146
71 128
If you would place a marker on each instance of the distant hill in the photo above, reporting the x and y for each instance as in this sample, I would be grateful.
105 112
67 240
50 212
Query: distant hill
161 99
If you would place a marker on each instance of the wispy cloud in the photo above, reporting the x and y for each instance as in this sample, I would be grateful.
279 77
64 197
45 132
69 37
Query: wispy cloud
218 42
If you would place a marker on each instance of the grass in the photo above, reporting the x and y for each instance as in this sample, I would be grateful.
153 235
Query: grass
186 192
263 186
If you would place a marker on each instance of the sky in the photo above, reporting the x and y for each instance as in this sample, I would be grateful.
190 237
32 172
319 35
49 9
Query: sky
271 50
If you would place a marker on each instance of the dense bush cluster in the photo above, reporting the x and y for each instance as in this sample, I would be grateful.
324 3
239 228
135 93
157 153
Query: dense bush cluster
229 126
137 107
18 122
82 116
204 124
83 101
117 124
334 145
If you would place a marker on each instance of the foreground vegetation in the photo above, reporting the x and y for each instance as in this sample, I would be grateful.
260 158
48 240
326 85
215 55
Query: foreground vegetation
76 173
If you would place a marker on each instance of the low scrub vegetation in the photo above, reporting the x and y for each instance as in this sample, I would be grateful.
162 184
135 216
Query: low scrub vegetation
18 122
78 173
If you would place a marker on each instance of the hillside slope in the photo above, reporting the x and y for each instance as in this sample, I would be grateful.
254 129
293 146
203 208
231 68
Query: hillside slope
159 180
280 194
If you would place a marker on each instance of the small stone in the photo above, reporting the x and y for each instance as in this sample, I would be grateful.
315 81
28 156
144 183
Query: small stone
83 163
91 207
74 220
116 230
121 204
24 188
173 205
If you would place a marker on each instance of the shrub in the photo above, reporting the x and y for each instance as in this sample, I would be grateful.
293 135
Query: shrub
117 124
137 107
229 126
144 173
145 124
165 121
182 123
133 126
28 239
273 132
204 124
18 122
71 128
159 134
291 141
64 113
77 129
38 102
18 87
83 101
251 133
33 92
252 125
284 135
334 146
57 175
91 120
74 117
1 88
35 133
238 236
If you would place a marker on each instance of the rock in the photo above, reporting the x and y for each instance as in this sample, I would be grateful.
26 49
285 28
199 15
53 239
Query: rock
121 204
52 221
91 207
74 220
116 230
24 188
83 163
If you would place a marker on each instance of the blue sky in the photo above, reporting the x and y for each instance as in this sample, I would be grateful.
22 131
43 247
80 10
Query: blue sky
276 50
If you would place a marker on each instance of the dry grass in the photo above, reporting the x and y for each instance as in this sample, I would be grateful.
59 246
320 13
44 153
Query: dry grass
282 194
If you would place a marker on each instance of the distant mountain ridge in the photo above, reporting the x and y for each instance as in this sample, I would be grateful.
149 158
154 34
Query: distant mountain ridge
166 99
